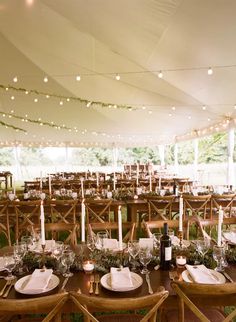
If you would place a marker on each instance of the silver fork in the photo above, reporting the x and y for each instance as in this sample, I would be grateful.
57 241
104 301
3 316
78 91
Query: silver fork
12 283
8 282
150 291
97 280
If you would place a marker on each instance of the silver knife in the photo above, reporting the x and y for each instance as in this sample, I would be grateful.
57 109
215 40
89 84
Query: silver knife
228 277
64 283
150 291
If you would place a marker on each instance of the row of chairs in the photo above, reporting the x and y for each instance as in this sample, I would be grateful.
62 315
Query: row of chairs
191 297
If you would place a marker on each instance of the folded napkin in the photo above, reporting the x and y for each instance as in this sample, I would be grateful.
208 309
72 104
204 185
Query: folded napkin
230 236
38 281
146 243
110 243
121 279
201 274
49 244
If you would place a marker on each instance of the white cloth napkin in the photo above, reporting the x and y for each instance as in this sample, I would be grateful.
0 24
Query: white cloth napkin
110 243
201 274
38 281
121 279
146 243
49 244
230 236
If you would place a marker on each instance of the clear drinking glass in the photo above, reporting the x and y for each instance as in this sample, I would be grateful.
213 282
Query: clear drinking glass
133 250
67 259
203 245
9 265
19 253
101 235
145 257
218 255
57 253
91 242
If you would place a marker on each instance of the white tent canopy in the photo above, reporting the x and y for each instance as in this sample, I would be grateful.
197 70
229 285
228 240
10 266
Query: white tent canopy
98 40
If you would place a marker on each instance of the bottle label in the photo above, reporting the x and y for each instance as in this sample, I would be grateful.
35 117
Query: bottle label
168 251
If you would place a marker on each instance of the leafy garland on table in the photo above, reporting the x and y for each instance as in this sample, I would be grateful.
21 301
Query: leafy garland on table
105 259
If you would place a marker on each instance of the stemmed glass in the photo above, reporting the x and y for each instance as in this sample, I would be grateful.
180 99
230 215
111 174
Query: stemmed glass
91 242
218 255
19 253
133 250
203 244
67 259
145 257
9 265
57 252
101 235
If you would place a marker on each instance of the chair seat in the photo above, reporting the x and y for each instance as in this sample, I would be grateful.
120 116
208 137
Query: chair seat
120 318
213 315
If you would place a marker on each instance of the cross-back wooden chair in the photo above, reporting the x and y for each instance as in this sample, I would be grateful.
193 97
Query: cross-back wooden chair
160 207
57 231
22 214
193 296
98 210
61 211
149 226
127 185
196 205
227 202
89 304
4 221
24 310
31 185
111 227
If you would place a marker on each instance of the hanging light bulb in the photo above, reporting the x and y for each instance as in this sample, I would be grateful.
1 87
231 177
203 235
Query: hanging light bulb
209 71
15 79
117 77
204 107
78 78
160 74
45 79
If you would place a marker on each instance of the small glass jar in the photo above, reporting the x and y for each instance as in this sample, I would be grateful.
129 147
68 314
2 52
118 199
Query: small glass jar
88 266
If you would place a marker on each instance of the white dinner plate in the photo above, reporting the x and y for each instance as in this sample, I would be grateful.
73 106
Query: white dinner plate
21 283
136 279
230 236
219 277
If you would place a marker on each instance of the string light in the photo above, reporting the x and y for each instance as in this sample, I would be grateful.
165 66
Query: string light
15 79
78 78
45 79
117 77
160 74
209 71
204 107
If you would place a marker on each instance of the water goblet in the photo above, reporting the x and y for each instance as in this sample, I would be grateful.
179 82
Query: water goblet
28 240
19 253
67 259
101 235
145 257
57 251
203 245
91 242
218 255
133 250
9 264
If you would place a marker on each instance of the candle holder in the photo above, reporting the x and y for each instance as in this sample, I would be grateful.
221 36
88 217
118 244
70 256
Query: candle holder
88 266
180 236
43 258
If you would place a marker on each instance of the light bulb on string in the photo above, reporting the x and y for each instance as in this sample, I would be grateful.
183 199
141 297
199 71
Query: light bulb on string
15 79
45 79
160 74
204 107
209 71
117 77
78 78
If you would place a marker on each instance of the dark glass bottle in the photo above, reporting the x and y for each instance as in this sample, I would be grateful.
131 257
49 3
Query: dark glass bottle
165 250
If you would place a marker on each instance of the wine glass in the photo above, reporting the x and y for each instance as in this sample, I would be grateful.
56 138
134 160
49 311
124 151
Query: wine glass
19 253
9 264
57 251
145 257
218 255
202 244
28 240
133 250
101 235
91 242
67 260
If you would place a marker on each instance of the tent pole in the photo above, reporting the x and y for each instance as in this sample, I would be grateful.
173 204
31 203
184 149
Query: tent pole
230 169
176 161
195 165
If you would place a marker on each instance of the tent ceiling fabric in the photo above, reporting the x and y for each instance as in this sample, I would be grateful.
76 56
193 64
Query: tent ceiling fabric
99 39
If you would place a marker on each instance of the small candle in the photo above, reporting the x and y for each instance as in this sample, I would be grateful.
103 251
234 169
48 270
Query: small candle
220 221
88 267
82 221
181 261
120 229
181 213
82 187
42 219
